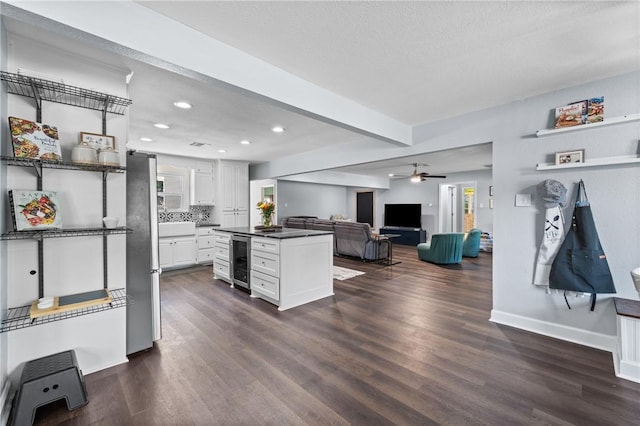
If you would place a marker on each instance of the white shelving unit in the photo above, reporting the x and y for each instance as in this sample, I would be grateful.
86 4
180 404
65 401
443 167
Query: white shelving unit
595 162
606 122
603 161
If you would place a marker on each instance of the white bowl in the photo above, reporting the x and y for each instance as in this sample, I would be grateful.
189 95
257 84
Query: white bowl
45 302
110 222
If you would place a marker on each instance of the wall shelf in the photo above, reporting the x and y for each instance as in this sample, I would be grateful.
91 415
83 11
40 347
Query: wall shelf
52 91
58 233
44 164
604 161
19 317
606 122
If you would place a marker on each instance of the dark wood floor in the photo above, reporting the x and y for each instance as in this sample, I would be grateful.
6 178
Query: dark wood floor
409 344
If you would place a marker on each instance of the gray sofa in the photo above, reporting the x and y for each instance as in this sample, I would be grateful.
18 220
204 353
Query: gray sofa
350 238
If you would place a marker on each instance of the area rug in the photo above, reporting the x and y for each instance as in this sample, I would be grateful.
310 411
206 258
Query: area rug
341 274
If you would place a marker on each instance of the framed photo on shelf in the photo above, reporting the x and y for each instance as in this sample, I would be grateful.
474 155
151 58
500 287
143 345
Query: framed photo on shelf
98 141
568 157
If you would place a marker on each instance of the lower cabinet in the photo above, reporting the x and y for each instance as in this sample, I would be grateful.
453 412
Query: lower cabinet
290 272
206 243
221 252
177 251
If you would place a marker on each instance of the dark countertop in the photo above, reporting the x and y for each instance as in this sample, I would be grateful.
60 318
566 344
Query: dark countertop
198 225
281 234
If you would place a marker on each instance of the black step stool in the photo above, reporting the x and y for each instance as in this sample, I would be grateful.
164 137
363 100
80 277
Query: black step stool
45 380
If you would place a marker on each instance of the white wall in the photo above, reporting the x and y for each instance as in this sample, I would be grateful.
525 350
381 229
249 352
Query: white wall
310 199
71 265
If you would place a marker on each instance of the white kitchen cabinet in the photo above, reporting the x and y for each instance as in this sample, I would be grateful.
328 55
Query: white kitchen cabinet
177 251
221 253
289 272
203 189
206 243
233 193
203 184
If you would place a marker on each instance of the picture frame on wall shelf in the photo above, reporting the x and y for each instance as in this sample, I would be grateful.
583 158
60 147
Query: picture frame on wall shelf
98 141
569 157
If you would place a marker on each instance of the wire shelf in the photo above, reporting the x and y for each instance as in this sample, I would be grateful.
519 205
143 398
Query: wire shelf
59 233
61 93
49 164
18 318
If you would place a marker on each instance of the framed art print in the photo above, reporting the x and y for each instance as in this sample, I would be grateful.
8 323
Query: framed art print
98 141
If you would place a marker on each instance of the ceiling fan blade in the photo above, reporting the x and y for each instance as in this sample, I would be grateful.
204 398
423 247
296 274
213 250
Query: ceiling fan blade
433 176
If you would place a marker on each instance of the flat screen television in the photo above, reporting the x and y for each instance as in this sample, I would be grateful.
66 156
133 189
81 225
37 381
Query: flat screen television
403 215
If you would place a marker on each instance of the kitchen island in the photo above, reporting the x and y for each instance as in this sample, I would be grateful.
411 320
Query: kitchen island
287 267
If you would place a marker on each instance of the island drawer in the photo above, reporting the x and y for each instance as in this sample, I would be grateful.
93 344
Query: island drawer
268 245
221 269
265 284
267 263
222 237
221 252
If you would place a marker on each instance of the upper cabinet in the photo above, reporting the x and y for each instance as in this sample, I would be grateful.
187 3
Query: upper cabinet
203 184
233 190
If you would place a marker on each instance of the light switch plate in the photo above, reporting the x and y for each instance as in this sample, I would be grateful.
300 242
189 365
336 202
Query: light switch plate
523 200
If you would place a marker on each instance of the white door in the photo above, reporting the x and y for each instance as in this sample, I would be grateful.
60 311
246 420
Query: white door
448 210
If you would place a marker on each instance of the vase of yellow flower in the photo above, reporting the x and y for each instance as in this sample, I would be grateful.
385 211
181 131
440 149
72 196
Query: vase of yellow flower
266 209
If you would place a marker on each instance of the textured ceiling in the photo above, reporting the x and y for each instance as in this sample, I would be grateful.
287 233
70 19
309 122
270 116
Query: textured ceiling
422 61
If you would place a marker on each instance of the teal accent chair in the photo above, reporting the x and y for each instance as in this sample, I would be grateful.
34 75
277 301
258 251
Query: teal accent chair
442 249
471 245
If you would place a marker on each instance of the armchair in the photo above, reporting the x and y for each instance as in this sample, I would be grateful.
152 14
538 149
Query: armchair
442 249
471 244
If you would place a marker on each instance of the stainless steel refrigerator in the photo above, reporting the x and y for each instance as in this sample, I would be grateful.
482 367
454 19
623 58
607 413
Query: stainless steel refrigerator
143 269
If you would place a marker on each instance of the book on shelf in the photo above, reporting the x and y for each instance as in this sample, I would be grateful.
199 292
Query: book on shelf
34 210
595 110
34 140
570 115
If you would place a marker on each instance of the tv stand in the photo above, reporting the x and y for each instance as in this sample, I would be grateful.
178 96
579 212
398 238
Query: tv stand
408 236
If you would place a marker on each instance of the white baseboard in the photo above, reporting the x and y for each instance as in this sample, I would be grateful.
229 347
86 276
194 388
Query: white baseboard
562 332
104 367
5 403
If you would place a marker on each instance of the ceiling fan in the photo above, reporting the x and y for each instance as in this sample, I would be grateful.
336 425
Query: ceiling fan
420 177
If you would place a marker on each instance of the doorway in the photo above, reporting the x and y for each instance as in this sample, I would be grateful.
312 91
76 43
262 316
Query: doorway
457 211
364 207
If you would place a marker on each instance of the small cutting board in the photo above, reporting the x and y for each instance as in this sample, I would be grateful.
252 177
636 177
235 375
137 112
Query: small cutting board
72 301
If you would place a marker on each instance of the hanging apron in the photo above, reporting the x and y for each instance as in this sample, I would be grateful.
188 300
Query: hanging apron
580 264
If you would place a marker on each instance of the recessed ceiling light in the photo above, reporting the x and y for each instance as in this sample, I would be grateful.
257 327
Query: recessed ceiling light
245 142
182 104
390 174
161 126
277 129
146 139
221 151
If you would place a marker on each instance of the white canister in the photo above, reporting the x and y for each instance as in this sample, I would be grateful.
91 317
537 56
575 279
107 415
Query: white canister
109 157
83 153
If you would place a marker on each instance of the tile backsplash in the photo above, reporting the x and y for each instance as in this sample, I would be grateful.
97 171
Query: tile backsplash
198 214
